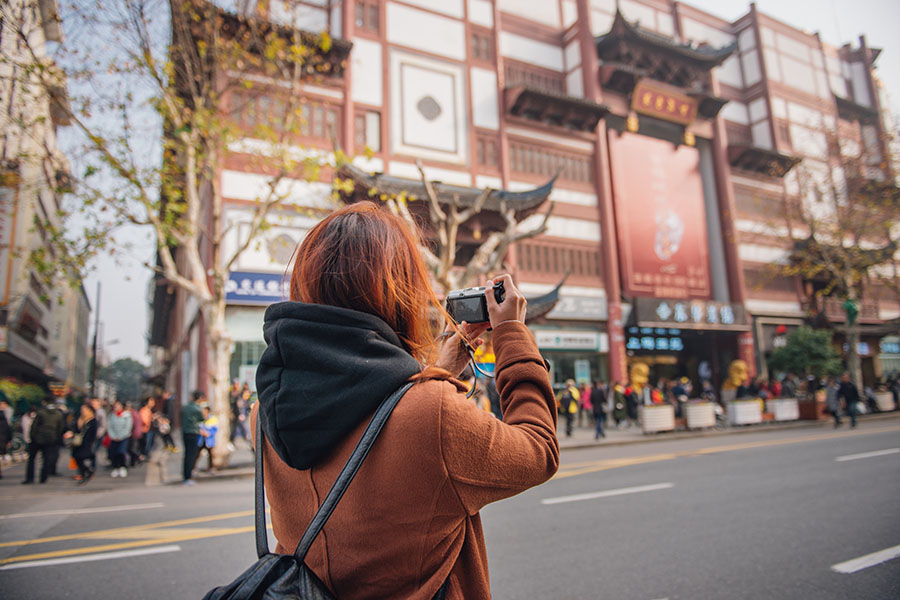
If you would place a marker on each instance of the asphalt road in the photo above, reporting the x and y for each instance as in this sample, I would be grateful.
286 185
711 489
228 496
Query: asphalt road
761 515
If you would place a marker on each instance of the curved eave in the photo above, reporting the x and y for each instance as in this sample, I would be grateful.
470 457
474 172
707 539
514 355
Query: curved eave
850 110
524 201
554 109
541 306
761 160
622 30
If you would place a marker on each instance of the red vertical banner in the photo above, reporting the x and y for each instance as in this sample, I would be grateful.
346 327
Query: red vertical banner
660 217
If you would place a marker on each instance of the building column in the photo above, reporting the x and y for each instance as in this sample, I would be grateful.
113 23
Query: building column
603 185
348 137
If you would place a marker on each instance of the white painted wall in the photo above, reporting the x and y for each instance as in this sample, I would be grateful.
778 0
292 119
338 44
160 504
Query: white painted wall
484 98
481 12
454 8
752 73
700 32
238 185
569 13
573 54
565 227
410 171
575 84
730 72
531 51
762 136
367 72
426 31
773 307
736 112
758 253
758 109
542 11
860 87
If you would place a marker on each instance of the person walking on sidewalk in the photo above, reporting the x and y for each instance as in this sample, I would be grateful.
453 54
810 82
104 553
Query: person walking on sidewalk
136 442
850 394
5 438
598 400
120 426
191 417
83 437
568 402
100 415
209 427
46 431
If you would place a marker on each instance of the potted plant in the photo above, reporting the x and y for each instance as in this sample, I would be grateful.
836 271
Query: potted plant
808 352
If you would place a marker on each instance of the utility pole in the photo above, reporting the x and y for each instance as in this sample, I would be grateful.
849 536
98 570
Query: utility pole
94 348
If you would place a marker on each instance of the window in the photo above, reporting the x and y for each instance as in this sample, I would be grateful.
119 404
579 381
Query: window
537 160
367 15
558 259
367 130
486 151
482 44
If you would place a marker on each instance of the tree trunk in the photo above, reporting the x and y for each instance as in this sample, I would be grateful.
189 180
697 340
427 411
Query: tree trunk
220 348
853 362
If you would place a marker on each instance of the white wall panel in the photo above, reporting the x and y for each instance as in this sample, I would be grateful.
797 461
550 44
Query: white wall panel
531 51
758 109
747 39
481 12
238 185
665 24
762 136
483 181
573 54
730 72
762 254
752 73
779 107
601 22
575 84
301 17
542 11
572 197
773 307
367 72
565 227
411 171
428 116
553 139
454 8
860 85
484 98
735 112
569 12
790 46
539 289
635 11
700 32
425 31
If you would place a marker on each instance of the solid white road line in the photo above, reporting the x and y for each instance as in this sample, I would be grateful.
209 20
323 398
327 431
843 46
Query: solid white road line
84 511
867 454
90 557
608 493
869 560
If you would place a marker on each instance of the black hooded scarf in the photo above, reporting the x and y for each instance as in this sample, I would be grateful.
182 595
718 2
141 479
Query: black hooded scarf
325 370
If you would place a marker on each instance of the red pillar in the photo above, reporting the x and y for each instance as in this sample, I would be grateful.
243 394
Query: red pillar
608 249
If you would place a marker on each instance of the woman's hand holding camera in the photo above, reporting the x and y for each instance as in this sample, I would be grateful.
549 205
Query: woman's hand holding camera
453 355
513 306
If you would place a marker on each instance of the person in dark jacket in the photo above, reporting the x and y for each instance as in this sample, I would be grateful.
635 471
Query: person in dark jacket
83 436
191 418
5 437
46 433
598 400
850 394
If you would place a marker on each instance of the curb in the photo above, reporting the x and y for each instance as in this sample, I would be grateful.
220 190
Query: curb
701 433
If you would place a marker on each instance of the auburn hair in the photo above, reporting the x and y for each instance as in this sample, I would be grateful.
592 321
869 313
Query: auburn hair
367 259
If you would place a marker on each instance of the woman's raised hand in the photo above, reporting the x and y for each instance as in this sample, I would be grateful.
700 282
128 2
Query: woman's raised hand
513 306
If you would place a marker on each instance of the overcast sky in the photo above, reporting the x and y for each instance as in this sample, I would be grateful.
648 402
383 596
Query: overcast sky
124 308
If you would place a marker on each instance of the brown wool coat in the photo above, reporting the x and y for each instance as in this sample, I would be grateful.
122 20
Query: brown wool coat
410 517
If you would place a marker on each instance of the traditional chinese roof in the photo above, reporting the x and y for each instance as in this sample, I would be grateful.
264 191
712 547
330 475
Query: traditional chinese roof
553 108
623 31
852 111
525 203
709 106
542 305
761 160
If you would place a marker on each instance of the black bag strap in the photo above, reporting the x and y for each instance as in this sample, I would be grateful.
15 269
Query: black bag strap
337 489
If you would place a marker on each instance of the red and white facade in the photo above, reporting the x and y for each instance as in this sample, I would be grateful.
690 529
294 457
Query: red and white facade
669 129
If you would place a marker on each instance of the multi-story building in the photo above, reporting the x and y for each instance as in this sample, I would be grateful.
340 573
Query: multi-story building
43 332
671 133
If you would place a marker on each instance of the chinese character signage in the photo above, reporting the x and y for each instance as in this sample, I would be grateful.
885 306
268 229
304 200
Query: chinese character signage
660 217
657 101
690 314
259 289
654 339
567 339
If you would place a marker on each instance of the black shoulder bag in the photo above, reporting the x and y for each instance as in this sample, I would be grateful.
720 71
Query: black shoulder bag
286 576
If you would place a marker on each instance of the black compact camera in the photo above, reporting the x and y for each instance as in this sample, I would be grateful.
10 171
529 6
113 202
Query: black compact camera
470 305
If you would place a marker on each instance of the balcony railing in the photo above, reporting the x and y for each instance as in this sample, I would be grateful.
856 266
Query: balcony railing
834 310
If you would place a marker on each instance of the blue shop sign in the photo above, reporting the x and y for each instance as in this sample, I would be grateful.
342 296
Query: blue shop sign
259 289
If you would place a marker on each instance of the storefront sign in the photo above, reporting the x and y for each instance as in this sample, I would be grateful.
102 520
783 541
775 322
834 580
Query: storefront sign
654 339
652 99
582 308
582 371
255 288
660 217
563 339
890 345
691 314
